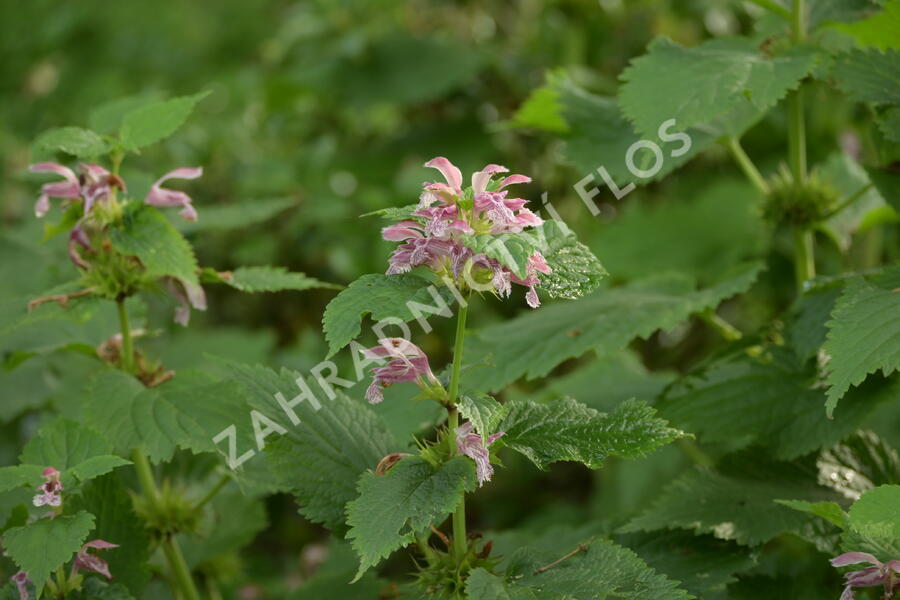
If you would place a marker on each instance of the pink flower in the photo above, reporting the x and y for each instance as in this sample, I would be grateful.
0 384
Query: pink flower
97 183
188 295
883 574
85 561
163 197
69 188
50 490
407 363
475 447
21 580
452 175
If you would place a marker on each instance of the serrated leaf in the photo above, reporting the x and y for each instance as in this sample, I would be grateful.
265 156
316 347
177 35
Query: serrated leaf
735 502
155 121
391 508
869 75
107 118
876 513
533 344
576 272
394 213
146 233
706 81
268 279
19 475
484 412
566 430
77 141
879 30
542 110
863 337
604 571
321 458
73 449
381 297
40 547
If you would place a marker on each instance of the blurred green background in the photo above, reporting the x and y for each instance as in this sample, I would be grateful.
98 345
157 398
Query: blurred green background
324 110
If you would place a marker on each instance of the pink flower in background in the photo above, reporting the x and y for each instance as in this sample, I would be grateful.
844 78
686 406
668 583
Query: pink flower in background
879 574
407 363
50 490
21 580
68 188
475 447
163 197
85 561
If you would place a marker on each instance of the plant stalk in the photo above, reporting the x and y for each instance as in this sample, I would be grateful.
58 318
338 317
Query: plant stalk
127 353
179 568
459 515
747 166
804 243
212 493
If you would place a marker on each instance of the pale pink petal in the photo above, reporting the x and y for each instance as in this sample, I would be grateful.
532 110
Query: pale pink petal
452 174
100 545
402 231
514 179
481 178
853 558
531 298
42 206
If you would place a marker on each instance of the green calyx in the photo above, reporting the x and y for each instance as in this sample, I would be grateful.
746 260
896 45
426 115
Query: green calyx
799 203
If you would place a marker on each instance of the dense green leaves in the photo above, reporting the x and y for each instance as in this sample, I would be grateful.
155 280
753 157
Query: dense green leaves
76 141
535 342
40 547
384 297
156 121
391 508
875 514
706 81
863 337
566 430
870 76
146 233
484 412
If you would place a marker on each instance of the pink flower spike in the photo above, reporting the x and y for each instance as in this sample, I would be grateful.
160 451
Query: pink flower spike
878 574
85 561
163 197
475 447
69 188
21 580
450 172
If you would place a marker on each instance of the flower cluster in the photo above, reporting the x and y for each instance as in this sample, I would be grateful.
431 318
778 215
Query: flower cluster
447 213
50 492
407 363
879 574
94 190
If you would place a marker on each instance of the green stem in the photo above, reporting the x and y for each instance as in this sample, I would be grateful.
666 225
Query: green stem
804 258
804 249
459 515
772 6
127 343
747 166
725 329
145 477
180 569
212 493
850 200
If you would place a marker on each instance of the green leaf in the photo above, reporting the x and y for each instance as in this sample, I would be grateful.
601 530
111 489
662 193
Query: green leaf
109 500
875 514
889 124
575 270
863 337
512 250
869 75
566 430
155 121
73 449
394 213
107 118
94 588
604 571
879 30
40 547
887 183
146 233
484 412
706 81
320 458
534 343
267 279
79 142
382 297
736 502
391 508
17 476
830 511
542 110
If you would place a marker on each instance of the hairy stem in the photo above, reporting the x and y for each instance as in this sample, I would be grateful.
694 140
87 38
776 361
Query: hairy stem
725 329
804 250
212 493
747 166
180 569
459 515
127 344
